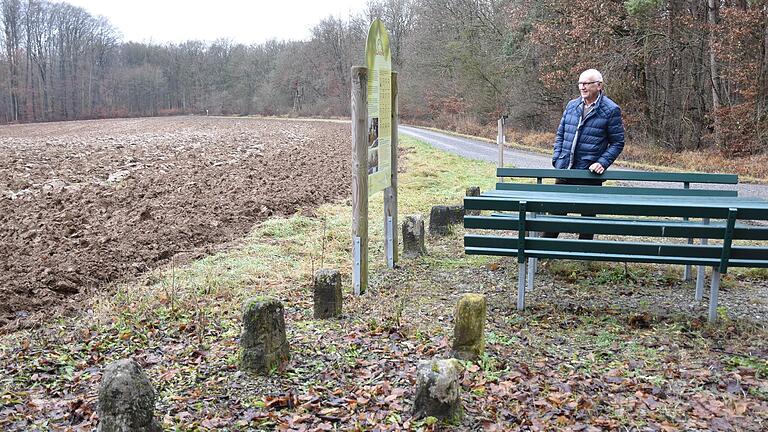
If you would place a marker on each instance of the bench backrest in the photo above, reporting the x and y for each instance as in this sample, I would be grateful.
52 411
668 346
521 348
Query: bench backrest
617 190
683 177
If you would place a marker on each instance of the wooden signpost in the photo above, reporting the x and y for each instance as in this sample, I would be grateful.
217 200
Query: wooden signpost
359 179
374 150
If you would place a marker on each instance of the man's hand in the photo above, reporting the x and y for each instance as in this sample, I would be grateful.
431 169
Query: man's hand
596 168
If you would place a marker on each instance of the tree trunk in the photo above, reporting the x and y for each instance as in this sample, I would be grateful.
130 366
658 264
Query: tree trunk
762 82
712 6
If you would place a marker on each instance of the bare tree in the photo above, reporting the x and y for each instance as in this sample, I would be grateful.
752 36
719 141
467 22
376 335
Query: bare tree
11 20
712 10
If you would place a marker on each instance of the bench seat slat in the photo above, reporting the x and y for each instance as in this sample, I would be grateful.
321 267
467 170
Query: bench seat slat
620 175
589 225
614 190
533 253
748 263
593 246
617 247
643 199
650 259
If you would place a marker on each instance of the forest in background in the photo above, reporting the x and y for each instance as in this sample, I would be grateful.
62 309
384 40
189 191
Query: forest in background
688 73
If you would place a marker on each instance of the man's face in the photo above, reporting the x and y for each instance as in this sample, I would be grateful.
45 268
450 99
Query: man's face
589 86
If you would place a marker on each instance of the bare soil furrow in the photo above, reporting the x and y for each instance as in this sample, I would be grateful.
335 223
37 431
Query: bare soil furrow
86 203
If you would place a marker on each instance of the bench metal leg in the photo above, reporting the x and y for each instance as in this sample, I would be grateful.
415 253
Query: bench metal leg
532 262
700 271
687 270
521 285
531 273
713 292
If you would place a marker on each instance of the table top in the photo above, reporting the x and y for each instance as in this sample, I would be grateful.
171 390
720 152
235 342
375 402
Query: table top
651 205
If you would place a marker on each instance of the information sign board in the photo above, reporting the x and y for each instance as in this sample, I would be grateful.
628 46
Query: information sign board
379 63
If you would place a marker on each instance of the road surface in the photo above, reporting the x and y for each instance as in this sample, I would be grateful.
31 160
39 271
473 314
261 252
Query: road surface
483 150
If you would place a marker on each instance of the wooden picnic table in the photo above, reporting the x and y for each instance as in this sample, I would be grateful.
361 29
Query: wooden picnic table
530 206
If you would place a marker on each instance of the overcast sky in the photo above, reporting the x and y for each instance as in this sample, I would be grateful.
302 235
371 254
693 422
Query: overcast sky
244 21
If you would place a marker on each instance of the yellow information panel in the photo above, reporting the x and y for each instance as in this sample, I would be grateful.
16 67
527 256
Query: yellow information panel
379 62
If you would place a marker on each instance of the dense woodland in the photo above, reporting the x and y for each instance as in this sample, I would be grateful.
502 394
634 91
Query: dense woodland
688 73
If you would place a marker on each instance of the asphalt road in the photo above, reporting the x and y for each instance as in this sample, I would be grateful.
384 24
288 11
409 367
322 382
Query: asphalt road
482 150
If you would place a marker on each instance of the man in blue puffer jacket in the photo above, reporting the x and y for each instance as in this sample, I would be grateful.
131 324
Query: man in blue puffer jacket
590 135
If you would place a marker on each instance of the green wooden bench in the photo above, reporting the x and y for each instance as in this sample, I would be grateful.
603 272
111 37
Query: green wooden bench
637 213
683 180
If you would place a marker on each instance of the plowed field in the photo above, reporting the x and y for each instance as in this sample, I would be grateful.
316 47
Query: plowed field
86 203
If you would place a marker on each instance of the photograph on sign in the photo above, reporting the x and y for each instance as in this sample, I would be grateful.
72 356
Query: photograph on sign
379 63
373 145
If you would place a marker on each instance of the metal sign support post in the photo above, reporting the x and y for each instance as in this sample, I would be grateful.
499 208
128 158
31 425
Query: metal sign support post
389 242
390 193
501 140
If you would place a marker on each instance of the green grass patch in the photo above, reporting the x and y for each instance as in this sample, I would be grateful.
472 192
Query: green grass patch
759 366
452 262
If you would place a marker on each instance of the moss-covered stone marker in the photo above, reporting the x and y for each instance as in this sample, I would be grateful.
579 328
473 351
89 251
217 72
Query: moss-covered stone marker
126 399
263 345
413 236
437 391
442 217
327 294
469 327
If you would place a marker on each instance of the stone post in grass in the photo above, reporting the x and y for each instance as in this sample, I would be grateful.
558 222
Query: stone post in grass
263 345
442 217
469 327
473 191
327 294
413 236
437 390
126 399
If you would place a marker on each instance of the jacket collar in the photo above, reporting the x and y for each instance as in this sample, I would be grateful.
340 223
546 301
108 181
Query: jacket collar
593 111
597 101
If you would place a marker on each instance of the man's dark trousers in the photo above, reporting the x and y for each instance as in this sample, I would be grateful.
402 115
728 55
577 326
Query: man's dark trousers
582 182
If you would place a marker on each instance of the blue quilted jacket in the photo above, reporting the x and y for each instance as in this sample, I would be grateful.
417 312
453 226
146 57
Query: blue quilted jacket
601 135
